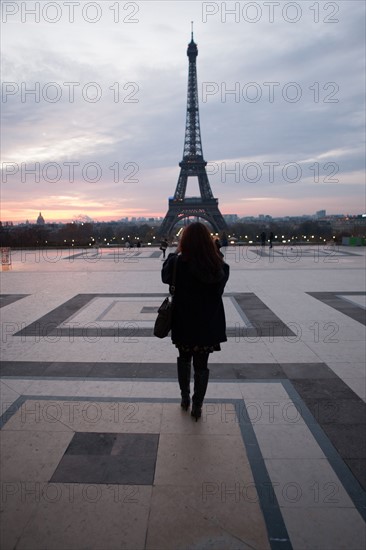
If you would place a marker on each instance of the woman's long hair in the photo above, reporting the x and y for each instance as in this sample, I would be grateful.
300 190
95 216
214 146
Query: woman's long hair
198 247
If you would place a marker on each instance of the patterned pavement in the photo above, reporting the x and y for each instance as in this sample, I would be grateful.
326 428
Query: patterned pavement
95 450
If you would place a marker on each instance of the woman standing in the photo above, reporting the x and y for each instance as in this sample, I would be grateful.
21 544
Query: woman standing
198 318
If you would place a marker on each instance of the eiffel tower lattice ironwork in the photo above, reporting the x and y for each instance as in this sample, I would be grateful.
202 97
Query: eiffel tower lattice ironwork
193 164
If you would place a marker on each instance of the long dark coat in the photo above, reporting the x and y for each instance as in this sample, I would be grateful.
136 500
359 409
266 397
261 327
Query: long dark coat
198 312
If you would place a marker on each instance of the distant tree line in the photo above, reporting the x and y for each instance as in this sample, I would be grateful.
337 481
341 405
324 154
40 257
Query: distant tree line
283 230
115 233
74 234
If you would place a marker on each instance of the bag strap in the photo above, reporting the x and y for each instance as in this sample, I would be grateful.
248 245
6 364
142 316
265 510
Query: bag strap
172 286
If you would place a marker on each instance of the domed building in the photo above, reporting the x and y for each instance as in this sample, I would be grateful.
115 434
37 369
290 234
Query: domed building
40 219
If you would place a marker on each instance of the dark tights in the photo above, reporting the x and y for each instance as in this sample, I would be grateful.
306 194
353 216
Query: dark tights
200 359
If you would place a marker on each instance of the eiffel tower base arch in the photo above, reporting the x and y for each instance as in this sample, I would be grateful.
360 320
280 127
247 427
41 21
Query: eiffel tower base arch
194 206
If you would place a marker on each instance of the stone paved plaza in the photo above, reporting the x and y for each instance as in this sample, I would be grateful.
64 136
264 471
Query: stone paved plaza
95 450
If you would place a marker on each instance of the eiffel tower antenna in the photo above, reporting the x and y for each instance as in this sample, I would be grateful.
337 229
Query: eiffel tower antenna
192 164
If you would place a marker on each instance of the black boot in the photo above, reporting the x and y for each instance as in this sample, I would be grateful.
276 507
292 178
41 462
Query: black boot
200 387
184 380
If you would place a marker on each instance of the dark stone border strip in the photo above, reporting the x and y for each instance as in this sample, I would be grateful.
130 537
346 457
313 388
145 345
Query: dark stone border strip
261 317
317 254
333 299
347 475
86 255
264 322
115 254
7 299
341 413
277 532
122 371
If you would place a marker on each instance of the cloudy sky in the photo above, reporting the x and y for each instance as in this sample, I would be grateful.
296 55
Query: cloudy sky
94 106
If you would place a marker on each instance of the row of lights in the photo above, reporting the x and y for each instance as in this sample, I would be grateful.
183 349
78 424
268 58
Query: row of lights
105 240
216 234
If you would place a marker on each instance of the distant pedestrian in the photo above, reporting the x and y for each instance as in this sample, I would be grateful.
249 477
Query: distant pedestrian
163 247
270 239
198 317
263 238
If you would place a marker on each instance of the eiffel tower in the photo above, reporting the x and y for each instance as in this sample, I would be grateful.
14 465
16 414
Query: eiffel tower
193 164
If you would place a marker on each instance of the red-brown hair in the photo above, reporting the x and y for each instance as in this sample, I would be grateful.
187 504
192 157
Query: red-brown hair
197 246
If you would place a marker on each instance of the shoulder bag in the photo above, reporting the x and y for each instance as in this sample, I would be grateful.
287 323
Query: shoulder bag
163 323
